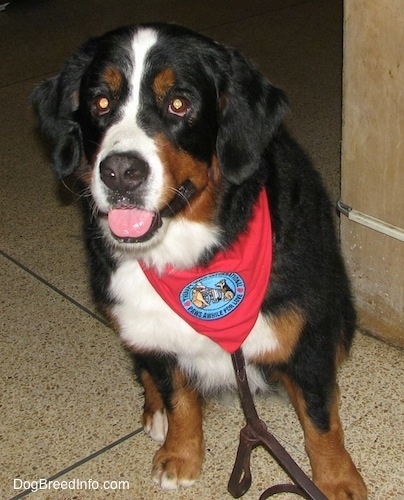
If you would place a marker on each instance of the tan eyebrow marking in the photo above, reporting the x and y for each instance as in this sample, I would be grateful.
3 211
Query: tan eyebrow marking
163 82
113 78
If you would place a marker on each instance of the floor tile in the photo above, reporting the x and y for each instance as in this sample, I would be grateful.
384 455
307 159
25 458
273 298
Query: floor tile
41 221
131 462
372 431
66 383
372 399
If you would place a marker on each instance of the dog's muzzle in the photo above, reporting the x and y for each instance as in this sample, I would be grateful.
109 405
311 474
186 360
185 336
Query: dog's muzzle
123 174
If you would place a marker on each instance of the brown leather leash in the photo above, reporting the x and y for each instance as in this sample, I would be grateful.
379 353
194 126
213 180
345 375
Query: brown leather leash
255 433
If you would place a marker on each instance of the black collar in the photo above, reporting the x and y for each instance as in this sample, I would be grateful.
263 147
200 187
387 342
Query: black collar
182 196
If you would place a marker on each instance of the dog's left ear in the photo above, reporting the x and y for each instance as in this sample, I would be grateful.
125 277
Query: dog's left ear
251 113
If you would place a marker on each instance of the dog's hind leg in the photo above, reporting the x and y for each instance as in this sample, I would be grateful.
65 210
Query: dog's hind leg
333 470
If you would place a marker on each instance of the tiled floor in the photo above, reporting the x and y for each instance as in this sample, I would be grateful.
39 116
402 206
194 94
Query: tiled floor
70 408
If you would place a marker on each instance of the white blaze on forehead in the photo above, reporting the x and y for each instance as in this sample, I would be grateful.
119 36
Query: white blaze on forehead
142 42
127 135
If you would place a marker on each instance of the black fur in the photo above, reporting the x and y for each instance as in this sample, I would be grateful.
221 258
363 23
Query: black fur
238 116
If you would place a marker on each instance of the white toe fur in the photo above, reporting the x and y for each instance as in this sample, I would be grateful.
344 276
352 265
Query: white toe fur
157 426
168 483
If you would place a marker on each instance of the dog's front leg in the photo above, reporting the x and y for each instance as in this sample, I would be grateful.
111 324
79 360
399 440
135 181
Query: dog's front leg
178 462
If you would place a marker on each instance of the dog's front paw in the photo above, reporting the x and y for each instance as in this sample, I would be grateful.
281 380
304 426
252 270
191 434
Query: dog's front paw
172 469
345 491
347 485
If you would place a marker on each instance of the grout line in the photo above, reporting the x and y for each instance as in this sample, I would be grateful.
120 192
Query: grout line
54 288
82 461
101 320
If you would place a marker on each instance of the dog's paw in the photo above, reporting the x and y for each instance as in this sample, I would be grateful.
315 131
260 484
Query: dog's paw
347 487
344 492
156 425
173 469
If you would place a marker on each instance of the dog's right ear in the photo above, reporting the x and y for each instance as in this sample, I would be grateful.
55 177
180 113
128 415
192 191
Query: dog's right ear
57 125
55 101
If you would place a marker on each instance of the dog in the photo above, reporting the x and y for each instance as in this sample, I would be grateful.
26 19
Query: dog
190 174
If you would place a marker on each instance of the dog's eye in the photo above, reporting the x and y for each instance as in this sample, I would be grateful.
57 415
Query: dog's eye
178 106
102 105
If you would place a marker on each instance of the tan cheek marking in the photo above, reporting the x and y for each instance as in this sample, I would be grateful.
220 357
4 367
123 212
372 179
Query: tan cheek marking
163 82
203 208
113 79
288 327
179 166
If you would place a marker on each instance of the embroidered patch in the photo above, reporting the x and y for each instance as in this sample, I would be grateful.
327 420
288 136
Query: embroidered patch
213 296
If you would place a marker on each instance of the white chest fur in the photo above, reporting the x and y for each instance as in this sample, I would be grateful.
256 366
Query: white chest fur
147 323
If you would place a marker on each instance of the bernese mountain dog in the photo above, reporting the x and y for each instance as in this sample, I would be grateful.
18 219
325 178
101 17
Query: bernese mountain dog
207 230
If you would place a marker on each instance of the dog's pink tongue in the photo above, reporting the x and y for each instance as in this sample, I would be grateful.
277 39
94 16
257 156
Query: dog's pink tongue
130 222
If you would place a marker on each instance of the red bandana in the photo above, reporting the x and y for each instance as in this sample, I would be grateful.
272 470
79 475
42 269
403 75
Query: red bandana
222 300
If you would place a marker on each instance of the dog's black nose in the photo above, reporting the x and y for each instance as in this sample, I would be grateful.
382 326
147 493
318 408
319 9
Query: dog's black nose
123 172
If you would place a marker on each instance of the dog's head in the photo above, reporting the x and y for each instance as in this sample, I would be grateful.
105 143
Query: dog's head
157 120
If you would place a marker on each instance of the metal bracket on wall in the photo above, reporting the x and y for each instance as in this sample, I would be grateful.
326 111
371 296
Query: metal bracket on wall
371 222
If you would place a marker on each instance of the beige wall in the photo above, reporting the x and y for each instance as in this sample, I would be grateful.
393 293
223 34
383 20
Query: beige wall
373 159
